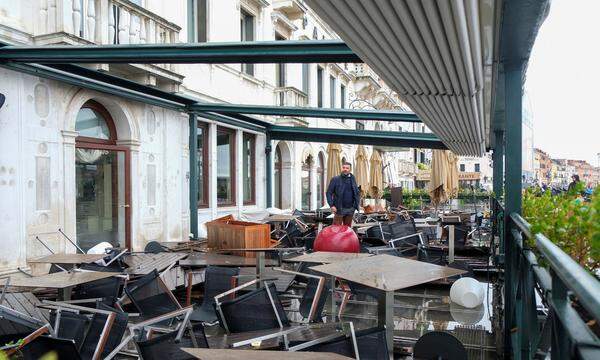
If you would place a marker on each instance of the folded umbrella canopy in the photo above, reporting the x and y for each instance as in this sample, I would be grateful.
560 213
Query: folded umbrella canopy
444 176
334 161
376 189
361 171
452 180
439 175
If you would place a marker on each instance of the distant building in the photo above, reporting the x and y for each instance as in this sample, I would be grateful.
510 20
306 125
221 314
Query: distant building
542 167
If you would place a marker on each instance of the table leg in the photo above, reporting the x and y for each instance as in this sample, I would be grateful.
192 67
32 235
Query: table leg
64 294
333 304
260 267
188 291
385 317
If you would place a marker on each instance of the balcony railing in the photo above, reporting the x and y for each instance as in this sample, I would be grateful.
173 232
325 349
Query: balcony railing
103 22
559 328
290 96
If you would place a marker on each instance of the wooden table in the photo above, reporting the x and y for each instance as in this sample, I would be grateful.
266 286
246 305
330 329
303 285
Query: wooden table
202 260
63 281
328 257
227 354
68 259
388 274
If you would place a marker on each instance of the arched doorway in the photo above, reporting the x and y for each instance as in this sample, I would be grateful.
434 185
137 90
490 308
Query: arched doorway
101 179
278 170
320 180
306 182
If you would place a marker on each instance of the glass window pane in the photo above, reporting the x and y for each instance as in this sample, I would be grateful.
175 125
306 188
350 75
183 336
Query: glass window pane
248 168
90 123
225 167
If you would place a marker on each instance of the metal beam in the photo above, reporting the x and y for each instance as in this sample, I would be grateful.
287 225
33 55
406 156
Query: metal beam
101 82
304 51
354 114
231 121
363 137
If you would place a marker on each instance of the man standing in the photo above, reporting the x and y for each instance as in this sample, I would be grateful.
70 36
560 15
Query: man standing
343 196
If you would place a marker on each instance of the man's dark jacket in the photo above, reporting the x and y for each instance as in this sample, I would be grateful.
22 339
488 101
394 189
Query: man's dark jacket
335 191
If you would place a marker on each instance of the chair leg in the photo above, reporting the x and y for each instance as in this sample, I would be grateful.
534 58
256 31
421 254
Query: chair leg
345 300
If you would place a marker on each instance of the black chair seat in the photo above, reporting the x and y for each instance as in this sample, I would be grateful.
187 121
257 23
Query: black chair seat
162 347
439 345
204 314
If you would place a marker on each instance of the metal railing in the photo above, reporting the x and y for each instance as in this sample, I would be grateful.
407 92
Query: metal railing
566 291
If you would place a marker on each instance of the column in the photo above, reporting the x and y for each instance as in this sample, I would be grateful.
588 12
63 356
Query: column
239 174
193 146
269 170
498 163
69 227
212 169
513 82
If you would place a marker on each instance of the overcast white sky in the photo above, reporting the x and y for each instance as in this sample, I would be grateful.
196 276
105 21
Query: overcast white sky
563 81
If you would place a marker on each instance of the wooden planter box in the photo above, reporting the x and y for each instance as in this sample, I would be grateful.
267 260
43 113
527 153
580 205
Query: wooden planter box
228 233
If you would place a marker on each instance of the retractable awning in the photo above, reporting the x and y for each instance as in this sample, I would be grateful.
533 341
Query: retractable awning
437 55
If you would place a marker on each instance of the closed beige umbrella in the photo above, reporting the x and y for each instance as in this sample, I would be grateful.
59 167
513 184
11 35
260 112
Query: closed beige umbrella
334 161
361 172
452 182
376 189
439 177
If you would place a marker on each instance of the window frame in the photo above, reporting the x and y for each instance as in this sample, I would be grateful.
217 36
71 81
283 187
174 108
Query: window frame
252 169
196 18
246 68
332 91
232 167
320 86
108 120
205 168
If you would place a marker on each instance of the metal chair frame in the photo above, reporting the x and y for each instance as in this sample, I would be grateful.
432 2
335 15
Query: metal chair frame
245 285
149 325
60 306
319 291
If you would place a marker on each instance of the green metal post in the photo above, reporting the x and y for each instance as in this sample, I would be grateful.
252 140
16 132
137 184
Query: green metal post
513 147
268 169
498 159
193 145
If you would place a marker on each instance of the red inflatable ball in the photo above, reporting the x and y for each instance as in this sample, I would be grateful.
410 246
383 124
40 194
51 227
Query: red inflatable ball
337 238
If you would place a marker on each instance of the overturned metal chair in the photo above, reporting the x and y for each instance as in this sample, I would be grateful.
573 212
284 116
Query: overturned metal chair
95 335
144 330
259 309
150 296
216 281
167 345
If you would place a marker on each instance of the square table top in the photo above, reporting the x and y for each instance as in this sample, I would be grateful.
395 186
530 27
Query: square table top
226 354
61 280
327 257
387 272
68 258
206 259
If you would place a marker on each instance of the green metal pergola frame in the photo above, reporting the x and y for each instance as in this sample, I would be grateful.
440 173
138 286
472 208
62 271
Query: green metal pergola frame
55 62
519 25
288 51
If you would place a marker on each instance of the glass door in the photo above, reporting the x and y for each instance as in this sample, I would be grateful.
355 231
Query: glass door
102 199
